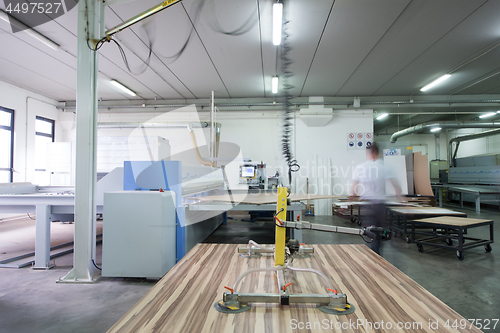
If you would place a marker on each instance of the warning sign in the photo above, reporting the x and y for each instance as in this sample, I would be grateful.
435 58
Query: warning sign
360 140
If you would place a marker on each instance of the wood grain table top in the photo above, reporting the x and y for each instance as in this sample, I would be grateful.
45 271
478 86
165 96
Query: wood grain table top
426 211
183 300
453 221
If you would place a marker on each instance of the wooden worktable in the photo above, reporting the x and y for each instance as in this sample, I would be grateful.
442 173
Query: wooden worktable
183 300
430 211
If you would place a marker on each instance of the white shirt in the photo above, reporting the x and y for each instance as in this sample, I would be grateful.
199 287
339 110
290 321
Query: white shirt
371 177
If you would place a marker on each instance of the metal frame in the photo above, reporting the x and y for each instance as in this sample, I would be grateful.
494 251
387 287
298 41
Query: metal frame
461 189
402 223
52 134
449 234
47 209
11 129
331 302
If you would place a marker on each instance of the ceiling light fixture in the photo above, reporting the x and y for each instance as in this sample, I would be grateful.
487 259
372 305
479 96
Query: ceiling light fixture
436 129
33 33
277 22
487 115
274 84
122 87
382 116
438 81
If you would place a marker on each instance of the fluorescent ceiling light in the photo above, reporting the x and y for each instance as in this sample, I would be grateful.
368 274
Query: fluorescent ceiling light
274 84
438 81
435 129
486 115
122 87
277 22
498 111
33 33
382 116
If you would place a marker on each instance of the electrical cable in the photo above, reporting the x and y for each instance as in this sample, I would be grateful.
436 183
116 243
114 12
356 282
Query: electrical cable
288 114
214 23
124 57
96 265
30 216
365 239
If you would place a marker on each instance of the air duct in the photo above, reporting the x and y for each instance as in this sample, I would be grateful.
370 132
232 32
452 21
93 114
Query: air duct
443 125
452 155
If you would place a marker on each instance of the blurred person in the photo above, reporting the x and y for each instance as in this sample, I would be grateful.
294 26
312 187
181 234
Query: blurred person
369 179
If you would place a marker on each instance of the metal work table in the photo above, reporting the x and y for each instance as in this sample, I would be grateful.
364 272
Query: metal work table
453 231
183 300
477 190
402 215
47 207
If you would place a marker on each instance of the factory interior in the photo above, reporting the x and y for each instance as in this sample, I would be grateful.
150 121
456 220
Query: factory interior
199 166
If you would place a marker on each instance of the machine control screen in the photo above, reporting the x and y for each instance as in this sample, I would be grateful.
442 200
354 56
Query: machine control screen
247 171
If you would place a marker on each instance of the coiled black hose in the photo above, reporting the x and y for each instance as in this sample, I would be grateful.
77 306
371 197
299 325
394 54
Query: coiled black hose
288 114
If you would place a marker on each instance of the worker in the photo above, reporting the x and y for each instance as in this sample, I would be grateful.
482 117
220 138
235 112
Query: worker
369 180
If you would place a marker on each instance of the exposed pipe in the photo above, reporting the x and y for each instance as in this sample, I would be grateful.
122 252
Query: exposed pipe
197 151
458 139
119 125
443 124
438 147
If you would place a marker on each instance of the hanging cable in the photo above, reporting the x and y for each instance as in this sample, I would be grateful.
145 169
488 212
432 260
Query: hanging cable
288 114
214 23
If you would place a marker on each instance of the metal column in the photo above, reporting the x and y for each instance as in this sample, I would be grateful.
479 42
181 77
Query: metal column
86 137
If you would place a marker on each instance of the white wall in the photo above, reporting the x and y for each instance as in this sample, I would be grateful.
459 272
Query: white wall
330 141
27 105
259 134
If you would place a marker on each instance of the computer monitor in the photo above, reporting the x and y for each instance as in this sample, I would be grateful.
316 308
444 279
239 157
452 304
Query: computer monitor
247 171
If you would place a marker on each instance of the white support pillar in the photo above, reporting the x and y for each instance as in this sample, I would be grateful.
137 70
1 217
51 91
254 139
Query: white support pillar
86 139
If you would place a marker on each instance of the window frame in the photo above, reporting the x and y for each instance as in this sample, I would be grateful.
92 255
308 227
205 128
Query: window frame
11 129
51 135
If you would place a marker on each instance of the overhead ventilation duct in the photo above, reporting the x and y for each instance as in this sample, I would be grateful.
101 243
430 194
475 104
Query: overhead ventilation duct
453 154
443 125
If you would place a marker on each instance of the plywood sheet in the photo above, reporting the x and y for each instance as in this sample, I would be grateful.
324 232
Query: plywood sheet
183 300
426 211
397 166
263 198
453 221
421 174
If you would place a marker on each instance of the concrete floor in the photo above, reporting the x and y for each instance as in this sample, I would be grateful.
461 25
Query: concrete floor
31 301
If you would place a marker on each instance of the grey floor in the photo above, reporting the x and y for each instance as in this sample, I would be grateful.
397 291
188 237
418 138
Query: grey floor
31 301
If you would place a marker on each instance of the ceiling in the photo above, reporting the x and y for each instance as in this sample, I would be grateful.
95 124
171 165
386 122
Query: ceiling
383 50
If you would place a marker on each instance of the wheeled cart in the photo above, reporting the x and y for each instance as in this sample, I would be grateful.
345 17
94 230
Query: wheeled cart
451 234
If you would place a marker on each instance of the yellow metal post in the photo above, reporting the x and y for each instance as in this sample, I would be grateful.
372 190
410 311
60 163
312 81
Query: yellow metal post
279 248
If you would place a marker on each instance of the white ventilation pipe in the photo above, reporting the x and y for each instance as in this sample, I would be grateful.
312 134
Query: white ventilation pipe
443 125
458 139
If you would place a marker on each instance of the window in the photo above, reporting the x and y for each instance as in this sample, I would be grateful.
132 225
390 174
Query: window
6 145
44 134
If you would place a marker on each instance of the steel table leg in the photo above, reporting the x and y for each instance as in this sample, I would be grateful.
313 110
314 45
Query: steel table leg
42 237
